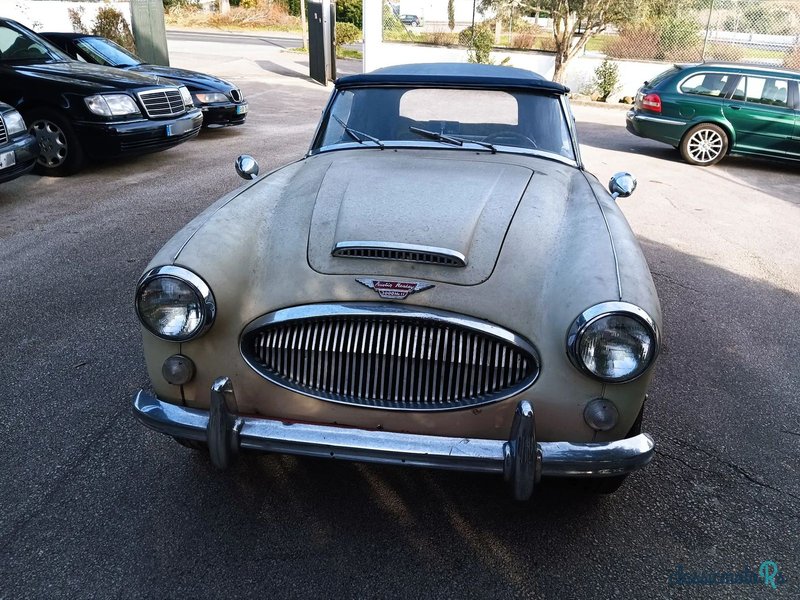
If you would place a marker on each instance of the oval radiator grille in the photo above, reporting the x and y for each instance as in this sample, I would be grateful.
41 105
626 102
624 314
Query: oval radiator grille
398 359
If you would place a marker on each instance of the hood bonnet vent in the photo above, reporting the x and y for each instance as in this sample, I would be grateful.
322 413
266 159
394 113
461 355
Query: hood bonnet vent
402 252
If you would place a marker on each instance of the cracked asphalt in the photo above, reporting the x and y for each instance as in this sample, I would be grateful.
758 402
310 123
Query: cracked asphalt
95 506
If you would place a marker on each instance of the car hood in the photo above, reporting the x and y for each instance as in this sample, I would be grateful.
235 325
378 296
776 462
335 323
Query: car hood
89 76
522 223
191 79
407 203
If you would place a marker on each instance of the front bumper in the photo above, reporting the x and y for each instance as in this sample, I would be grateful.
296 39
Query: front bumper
26 151
521 460
224 114
128 138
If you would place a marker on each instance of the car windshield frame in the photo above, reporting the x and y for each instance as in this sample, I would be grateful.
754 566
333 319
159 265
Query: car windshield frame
51 54
319 146
89 46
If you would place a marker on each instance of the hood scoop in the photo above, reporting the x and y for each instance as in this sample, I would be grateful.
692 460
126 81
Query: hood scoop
417 253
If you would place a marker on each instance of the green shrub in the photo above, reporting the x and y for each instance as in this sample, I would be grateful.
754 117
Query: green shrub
606 79
479 43
112 25
350 11
347 33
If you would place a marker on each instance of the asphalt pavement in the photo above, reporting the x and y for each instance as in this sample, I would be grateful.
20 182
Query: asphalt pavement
96 506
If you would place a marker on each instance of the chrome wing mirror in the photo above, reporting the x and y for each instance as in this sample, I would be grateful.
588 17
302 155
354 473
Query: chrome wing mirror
246 167
621 185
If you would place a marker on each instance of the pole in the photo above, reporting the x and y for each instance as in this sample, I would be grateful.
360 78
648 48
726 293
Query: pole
303 22
708 28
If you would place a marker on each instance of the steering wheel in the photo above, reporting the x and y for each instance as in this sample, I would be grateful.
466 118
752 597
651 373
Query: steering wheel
511 136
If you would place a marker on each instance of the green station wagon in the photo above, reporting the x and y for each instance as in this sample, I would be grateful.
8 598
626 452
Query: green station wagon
714 109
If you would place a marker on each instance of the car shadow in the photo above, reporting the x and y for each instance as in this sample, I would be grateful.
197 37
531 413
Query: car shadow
754 173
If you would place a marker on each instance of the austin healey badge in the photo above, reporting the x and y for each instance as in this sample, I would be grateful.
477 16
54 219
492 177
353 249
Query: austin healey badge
394 290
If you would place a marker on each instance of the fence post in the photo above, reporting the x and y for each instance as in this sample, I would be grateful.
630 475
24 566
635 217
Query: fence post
708 27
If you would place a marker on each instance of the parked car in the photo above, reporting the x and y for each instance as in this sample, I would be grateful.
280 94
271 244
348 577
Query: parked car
18 148
222 103
495 315
78 110
412 20
711 110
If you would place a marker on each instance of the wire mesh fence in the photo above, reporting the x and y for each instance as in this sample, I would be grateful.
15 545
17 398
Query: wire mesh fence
757 31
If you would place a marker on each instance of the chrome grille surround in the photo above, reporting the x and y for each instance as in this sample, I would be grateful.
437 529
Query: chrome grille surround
3 132
163 102
400 251
387 356
236 95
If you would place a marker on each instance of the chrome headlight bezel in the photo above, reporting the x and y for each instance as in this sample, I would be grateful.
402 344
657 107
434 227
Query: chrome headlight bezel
201 290
607 309
14 122
186 96
112 105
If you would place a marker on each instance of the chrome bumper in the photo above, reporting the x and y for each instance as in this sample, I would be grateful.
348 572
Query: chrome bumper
521 460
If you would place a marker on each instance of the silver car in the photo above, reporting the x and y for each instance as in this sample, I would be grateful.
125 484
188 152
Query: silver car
437 283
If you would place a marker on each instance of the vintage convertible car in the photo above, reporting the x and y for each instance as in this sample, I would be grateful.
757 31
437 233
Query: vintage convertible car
437 283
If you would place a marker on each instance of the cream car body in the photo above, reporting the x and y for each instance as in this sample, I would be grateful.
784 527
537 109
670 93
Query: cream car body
542 241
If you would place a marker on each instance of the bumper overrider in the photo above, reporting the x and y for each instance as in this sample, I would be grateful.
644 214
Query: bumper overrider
521 460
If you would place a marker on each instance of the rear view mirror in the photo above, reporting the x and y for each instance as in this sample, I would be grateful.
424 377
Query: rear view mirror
621 185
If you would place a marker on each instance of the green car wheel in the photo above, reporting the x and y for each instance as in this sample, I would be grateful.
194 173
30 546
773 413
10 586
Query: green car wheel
704 145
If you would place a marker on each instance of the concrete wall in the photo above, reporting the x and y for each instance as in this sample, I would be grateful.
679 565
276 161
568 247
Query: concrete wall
51 15
580 71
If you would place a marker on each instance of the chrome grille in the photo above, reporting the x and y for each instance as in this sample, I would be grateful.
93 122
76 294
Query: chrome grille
402 252
165 102
3 132
236 95
389 357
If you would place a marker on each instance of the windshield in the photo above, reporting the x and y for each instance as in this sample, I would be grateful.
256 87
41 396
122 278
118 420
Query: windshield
105 52
22 46
495 120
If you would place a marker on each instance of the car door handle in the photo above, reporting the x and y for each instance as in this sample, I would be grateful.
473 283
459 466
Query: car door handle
733 107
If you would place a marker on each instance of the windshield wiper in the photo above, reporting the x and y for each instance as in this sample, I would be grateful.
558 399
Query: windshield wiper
358 136
449 139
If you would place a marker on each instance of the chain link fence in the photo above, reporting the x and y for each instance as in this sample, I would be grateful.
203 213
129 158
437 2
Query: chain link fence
755 31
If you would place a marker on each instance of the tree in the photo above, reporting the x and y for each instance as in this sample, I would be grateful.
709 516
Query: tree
224 7
451 14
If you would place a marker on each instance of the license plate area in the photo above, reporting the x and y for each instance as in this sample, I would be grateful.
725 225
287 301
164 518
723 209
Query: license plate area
179 127
7 159
241 109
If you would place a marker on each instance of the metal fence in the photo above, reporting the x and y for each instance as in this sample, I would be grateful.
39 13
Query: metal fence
759 31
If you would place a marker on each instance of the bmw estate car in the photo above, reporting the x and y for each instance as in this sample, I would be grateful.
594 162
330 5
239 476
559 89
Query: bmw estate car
438 283
711 110
79 111
18 148
222 103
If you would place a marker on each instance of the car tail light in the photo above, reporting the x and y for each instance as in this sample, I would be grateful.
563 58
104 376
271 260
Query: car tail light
652 102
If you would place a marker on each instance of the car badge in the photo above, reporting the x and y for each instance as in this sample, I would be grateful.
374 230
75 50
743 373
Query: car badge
394 290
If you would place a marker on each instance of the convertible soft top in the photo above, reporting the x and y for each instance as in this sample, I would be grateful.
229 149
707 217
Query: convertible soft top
453 74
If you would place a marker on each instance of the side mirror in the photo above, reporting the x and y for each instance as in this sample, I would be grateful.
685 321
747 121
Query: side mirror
621 185
246 167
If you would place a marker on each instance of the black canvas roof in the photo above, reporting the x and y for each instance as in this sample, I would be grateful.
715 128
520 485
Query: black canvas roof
453 74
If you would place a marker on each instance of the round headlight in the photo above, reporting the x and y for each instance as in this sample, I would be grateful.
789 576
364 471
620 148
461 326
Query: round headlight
174 303
614 342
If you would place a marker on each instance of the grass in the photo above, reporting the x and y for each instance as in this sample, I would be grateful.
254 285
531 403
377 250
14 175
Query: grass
340 53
